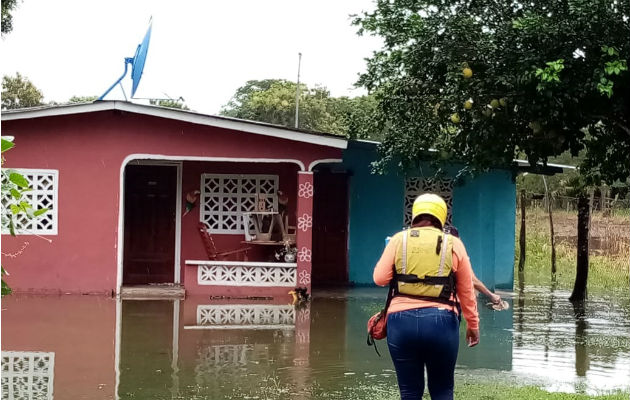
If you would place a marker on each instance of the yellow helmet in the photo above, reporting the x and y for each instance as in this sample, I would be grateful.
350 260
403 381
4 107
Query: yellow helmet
431 204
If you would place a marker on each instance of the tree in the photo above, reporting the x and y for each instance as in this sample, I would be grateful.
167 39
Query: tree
19 92
170 103
273 101
8 6
484 81
357 116
83 99
239 104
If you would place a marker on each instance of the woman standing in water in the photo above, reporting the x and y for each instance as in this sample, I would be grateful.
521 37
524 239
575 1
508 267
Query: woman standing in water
433 274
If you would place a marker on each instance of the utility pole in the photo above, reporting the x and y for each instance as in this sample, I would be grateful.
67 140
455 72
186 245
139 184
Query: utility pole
297 93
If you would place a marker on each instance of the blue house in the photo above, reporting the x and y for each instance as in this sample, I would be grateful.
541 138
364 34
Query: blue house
483 208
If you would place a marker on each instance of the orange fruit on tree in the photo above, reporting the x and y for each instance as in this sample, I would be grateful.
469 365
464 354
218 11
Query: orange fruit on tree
467 72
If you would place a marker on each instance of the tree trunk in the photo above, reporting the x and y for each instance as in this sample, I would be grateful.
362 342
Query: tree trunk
581 276
521 239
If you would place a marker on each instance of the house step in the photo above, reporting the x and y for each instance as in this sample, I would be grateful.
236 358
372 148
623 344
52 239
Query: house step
152 292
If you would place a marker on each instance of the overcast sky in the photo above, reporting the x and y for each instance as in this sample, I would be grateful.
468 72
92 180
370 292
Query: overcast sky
200 50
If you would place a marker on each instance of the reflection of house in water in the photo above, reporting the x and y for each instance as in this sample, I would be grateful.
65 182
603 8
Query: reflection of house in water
97 348
60 346
247 316
27 375
207 343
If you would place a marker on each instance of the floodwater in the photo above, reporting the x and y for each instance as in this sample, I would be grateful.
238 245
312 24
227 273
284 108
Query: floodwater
85 347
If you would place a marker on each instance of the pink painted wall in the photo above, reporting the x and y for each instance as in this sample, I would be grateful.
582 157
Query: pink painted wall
88 150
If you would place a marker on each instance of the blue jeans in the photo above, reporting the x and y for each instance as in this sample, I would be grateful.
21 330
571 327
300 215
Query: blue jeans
424 336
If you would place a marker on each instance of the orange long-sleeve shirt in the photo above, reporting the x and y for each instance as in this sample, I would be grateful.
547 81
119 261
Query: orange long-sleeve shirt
383 273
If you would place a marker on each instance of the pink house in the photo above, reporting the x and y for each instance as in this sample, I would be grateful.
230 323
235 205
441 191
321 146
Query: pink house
119 179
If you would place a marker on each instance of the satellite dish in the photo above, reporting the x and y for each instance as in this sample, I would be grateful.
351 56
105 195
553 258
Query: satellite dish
137 65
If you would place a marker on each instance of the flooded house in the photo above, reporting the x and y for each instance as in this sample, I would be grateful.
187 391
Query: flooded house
226 217
148 197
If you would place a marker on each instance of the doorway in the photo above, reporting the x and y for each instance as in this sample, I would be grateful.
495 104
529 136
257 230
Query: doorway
150 206
330 228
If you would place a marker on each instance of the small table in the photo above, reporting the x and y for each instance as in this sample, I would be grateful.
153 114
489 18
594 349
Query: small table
256 218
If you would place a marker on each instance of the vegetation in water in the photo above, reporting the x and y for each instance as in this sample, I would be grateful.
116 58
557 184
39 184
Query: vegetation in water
609 250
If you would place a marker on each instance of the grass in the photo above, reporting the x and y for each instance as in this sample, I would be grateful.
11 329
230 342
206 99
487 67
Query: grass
480 391
463 391
609 254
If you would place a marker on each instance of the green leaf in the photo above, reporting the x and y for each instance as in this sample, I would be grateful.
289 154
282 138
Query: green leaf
18 179
39 212
6 290
15 193
6 145
14 209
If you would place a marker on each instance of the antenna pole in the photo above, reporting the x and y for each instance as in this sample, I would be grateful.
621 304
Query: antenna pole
297 93
127 62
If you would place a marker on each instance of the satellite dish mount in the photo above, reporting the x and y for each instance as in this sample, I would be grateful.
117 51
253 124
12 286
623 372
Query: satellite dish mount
137 66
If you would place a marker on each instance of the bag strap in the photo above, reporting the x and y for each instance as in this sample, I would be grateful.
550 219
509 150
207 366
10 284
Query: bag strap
404 252
443 256
390 295
372 342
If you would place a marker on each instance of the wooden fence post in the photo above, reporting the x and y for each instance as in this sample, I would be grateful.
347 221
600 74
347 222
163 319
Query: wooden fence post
553 243
521 239
581 275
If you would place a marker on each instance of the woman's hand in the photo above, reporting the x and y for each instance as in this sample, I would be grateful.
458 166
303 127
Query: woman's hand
472 337
495 298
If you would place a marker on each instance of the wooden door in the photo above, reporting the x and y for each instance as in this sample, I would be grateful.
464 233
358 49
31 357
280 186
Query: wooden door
330 229
150 203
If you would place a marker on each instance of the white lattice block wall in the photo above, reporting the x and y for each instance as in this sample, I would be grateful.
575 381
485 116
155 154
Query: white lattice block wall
27 375
262 274
246 316
44 185
224 199
414 187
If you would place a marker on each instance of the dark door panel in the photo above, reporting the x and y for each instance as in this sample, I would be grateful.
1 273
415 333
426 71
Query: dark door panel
149 253
330 228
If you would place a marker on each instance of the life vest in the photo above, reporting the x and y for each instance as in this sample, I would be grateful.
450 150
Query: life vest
424 265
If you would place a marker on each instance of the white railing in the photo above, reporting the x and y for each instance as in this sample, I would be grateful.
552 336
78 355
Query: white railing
245 273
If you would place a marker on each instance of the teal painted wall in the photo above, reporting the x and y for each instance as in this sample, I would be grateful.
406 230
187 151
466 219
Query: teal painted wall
484 210
376 204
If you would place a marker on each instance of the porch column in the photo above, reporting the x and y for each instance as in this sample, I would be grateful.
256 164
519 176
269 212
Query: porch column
304 232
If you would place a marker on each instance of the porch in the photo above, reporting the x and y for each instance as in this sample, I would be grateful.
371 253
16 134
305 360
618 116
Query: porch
224 228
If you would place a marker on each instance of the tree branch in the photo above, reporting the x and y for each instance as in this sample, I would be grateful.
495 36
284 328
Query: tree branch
619 124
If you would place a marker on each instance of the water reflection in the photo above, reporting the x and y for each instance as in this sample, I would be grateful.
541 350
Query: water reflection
100 348
578 348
